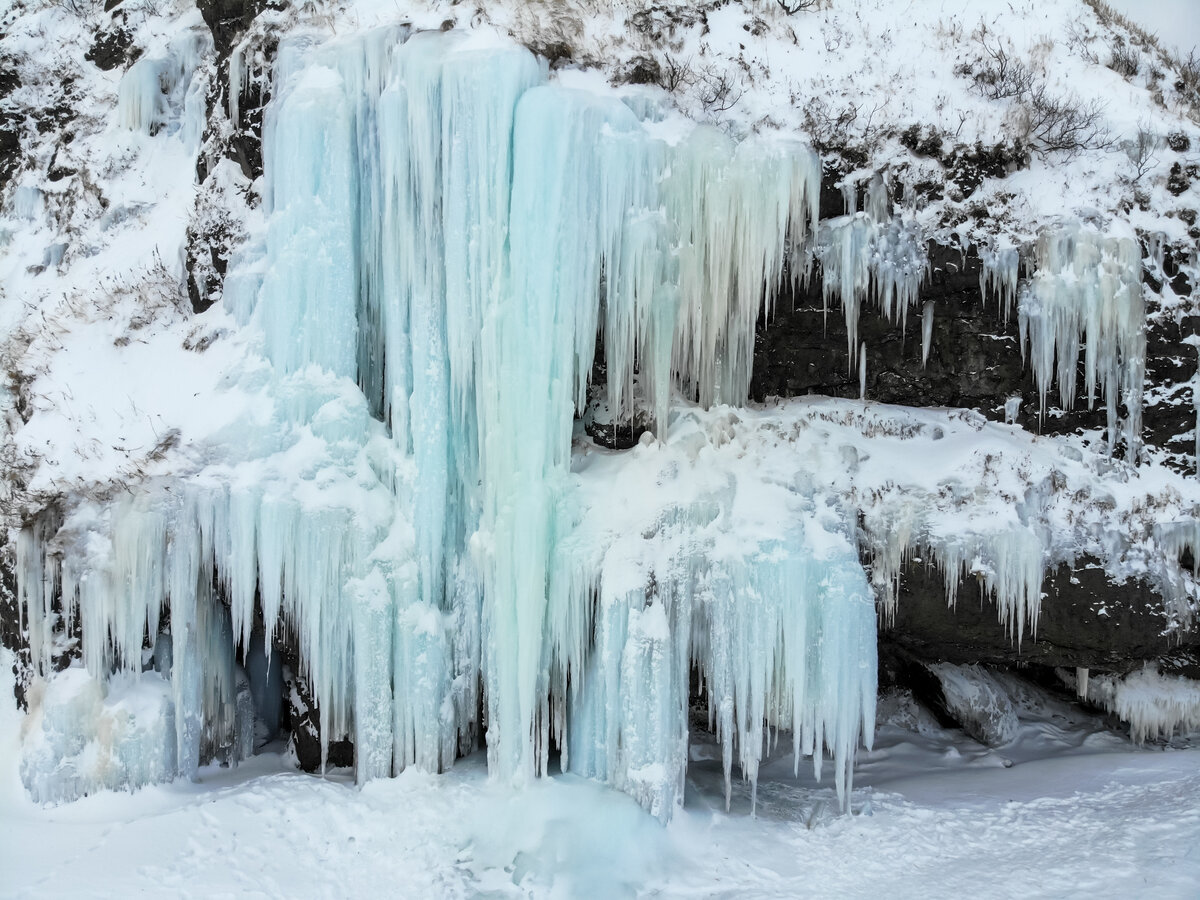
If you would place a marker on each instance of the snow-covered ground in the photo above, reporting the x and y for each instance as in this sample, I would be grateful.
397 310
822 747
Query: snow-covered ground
1068 809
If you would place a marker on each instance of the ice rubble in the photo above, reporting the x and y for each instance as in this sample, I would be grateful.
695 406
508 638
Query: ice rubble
978 701
448 233
87 735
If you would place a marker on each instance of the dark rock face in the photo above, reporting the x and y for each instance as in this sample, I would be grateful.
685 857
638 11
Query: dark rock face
112 49
1086 621
207 258
12 636
10 127
304 720
10 146
227 19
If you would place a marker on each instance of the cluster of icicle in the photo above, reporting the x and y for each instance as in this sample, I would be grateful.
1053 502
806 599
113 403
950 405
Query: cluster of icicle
1083 298
450 233
1156 705
158 92
1007 562
872 255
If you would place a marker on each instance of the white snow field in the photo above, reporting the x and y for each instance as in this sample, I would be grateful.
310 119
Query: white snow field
1066 810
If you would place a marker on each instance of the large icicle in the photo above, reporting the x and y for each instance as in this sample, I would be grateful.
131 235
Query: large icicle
739 212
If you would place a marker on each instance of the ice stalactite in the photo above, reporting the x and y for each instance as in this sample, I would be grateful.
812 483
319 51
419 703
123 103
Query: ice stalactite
307 304
738 212
248 70
864 258
999 274
1154 704
1085 297
927 314
862 371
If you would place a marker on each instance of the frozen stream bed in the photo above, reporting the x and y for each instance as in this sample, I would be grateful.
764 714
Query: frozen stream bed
1067 810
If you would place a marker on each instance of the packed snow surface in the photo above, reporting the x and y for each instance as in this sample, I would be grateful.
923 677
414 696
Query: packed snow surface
1065 810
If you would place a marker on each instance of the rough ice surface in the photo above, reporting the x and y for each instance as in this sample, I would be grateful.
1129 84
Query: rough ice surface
446 236
85 735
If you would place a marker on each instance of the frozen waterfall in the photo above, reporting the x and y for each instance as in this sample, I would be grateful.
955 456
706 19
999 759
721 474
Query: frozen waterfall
447 235
406 504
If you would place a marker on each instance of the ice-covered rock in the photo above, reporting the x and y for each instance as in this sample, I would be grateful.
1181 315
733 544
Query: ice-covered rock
978 702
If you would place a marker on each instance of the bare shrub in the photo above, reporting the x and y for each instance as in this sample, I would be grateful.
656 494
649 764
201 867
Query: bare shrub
833 129
1065 124
791 7
1141 151
674 73
718 90
1124 60
1188 82
1045 122
1002 77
